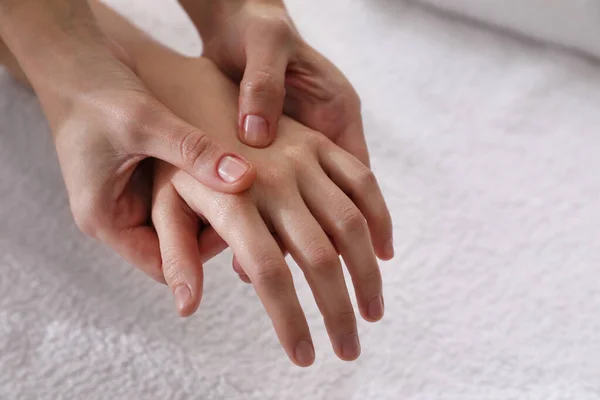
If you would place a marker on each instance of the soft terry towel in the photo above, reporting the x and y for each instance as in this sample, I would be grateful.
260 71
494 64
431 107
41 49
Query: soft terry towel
487 150
571 23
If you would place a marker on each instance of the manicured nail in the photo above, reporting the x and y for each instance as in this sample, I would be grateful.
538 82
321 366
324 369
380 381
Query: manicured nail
351 348
232 169
389 248
256 130
183 297
305 353
375 308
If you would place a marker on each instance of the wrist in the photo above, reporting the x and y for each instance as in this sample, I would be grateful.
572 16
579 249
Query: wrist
48 38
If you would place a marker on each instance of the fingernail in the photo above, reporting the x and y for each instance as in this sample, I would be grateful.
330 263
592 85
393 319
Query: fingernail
375 308
183 297
256 130
389 248
232 169
351 348
305 353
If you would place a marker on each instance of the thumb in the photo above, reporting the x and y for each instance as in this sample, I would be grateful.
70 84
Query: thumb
197 153
262 93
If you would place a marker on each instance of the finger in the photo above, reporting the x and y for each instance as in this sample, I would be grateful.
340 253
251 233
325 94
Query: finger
127 234
352 139
170 139
262 92
238 222
360 184
210 244
139 246
237 267
177 228
262 260
313 252
343 221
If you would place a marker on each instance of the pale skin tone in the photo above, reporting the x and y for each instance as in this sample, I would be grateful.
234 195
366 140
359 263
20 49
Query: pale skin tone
316 198
106 122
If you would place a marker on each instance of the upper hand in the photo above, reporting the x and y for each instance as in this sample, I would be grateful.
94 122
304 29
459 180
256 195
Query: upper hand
105 124
255 43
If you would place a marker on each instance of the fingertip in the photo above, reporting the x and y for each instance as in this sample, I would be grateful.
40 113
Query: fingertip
187 298
256 131
235 173
304 354
351 348
183 300
386 251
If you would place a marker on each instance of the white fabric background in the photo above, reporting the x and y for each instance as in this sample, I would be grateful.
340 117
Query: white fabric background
487 150
570 23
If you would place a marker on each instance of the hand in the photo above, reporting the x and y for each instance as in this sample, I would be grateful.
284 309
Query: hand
255 42
106 123
314 196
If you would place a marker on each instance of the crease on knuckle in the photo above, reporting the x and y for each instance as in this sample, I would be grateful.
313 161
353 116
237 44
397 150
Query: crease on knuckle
263 83
294 322
193 147
134 119
367 181
350 220
322 259
347 318
373 277
271 272
275 26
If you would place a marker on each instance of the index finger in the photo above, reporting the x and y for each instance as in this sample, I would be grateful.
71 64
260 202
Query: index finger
239 223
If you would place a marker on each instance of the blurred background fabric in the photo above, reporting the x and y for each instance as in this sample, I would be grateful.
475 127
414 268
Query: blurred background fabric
487 147
570 23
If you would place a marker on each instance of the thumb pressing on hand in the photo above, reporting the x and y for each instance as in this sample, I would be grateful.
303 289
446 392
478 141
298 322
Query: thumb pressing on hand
262 94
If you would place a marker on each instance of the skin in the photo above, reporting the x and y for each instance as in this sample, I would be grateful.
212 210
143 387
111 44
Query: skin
310 198
106 123
314 196
255 43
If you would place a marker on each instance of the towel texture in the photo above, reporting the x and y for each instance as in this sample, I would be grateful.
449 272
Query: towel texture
487 150
573 23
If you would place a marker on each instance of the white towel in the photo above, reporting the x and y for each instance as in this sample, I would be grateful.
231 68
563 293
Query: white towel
487 151
570 23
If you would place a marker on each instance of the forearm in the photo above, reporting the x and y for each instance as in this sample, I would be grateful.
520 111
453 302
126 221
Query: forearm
49 38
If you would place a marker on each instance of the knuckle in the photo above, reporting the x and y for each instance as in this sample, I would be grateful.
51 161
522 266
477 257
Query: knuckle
367 182
276 26
322 259
271 271
263 84
294 322
350 220
86 215
134 117
347 318
280 26
194 146
372 277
